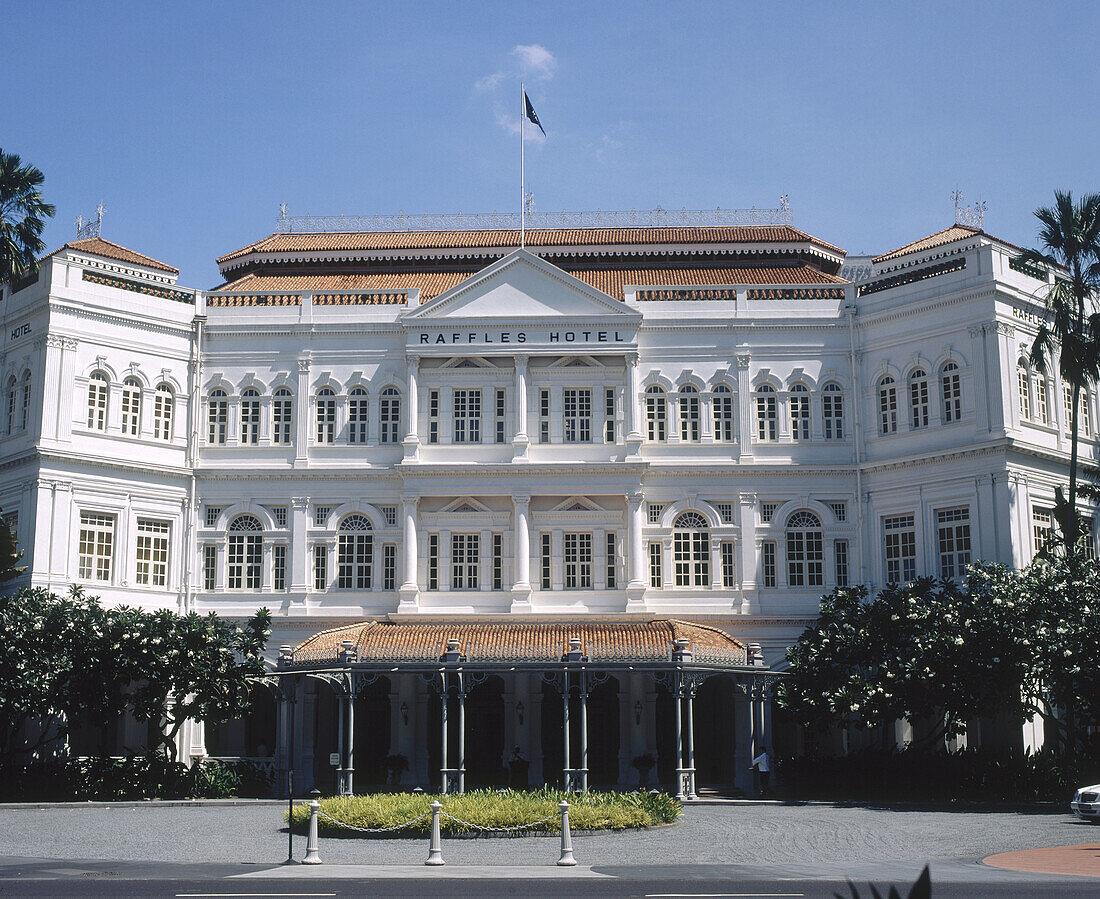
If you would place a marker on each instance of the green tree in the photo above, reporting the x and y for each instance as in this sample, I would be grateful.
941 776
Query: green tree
1070 247
10 554
23 215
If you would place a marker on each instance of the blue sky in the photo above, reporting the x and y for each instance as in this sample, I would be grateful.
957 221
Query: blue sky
193 121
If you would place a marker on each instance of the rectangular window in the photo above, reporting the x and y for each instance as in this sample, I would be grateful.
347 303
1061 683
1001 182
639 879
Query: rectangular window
729 566
691 558
1041 399
212 513
433 416
918 401
389 415
840 557
389 566
800 412
767 563
578 561
355 561
656 565
577 408
887 406
1042 523
766 414
281 411
358 415
544 416
609 415
250 419
544 561
152 552
209 567
320 515
466 406
725 512
131 408
654 512
244 556
433 561
805 558
767 511
840 511
320 567
326 416
900 539
832 408
217 420
97 539
278 566
498 561
723 414
1023 382
279 514
389 513
1086 536
952 393
500 415
953 537
611 577
465 561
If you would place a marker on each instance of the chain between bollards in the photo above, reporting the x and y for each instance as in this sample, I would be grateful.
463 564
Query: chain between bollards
312 856
435 847
566 839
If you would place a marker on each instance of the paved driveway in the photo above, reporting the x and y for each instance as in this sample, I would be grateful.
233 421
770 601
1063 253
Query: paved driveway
814 840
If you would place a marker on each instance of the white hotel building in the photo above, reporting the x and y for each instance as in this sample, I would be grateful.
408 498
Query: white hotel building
708 424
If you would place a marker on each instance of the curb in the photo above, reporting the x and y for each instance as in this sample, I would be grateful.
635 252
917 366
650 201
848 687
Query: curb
144 803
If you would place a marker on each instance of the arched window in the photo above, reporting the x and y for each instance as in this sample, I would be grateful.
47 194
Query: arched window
691 550
217 417
250 415
26 416
952 393
356 553
888 406
800 412
656 413
97 401
832 411
1023 381
326 415
245 553
163 407
282 416
805 553
11 394
766 413
358 409
723 414
131 406
918 399
689 414
389 414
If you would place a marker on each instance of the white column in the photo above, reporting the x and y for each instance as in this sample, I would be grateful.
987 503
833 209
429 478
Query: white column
301 410
744 405
409 592
521 553
412 441
635 588
750 555
631 412
299 563
520 441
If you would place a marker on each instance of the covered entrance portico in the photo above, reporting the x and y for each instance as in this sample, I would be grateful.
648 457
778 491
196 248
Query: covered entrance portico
454 706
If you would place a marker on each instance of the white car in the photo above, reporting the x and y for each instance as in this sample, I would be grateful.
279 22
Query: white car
1086 803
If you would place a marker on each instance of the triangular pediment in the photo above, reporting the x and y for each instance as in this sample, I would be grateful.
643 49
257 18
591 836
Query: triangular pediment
521 285
465 504
577 504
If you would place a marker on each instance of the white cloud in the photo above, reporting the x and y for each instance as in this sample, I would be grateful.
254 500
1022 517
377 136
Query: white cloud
607 147
489 82
531 133
535 60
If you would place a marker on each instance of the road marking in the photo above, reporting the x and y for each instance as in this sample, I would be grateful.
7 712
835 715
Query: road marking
210 895
712 895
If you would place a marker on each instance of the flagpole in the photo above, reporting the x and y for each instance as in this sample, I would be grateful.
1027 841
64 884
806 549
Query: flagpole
522 188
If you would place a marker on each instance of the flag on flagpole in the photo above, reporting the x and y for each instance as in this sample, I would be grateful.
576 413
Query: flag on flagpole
532 116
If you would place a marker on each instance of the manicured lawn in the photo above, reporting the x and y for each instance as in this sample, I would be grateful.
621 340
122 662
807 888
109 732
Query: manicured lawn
486 808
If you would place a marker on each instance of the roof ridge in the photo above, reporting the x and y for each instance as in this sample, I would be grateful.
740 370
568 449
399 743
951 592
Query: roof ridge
94 246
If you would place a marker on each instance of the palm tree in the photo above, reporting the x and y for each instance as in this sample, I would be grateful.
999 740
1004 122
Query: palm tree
23 215
1070 239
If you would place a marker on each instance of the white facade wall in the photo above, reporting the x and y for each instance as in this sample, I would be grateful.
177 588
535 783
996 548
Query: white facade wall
993 465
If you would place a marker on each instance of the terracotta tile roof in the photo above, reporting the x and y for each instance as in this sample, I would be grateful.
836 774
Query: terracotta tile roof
946 236
97 246
610 281
504 239
608 641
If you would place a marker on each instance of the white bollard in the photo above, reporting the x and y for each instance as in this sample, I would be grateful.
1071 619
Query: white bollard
435 848
312 857
566 839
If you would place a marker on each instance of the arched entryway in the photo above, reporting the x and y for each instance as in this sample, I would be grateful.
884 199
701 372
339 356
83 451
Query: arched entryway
715 734
485 735
603 735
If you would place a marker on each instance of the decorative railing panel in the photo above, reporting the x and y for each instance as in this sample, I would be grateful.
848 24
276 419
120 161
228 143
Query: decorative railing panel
918 274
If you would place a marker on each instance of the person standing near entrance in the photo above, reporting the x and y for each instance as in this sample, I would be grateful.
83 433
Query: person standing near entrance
761 770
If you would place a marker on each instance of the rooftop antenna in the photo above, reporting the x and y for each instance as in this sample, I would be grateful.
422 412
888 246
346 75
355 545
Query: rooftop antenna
968 216
86 228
